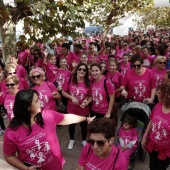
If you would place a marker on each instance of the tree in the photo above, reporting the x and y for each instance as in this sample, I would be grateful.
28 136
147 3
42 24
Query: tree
159 17
44 19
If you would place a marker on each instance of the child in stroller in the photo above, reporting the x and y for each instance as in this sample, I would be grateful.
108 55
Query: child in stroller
128 136
141 112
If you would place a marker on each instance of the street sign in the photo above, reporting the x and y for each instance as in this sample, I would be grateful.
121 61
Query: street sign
161 3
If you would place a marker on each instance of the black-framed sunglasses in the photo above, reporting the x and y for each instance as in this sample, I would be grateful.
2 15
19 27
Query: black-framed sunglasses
12 73
36 77
162 62
12 85
84 70
136 65
100 143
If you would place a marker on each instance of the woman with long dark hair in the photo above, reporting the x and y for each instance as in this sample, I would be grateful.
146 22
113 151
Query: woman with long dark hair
30 141
76 90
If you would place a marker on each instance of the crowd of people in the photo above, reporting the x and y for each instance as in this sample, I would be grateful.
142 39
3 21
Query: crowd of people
87 80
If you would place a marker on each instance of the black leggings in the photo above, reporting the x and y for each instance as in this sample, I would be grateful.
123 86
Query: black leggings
2 125
156 164
83 126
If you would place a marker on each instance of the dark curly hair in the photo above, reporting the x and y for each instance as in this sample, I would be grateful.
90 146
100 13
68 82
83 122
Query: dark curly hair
104 126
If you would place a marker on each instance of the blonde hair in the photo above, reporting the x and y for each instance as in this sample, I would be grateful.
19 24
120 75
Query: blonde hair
14 78
8 68
159 59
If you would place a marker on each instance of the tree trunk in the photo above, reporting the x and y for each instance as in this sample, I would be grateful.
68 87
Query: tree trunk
8 35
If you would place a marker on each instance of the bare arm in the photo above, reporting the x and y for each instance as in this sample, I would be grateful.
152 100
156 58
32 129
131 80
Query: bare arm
14 161
71 118
111 101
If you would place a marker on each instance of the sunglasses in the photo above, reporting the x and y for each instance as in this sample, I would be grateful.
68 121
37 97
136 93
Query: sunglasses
12 73
80 69
100 143
36 77
36 54
12 84
124 45
162 62
137 65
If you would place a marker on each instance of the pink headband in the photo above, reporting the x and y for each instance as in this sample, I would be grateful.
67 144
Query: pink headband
37 69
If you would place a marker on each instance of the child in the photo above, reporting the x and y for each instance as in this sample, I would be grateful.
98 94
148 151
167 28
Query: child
51 68
125 66
128 136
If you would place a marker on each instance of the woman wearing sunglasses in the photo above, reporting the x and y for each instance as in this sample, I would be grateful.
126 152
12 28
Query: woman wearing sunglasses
159 70
139 83
7 98
76 90
30 142
38 58
10 69
100 153
47 91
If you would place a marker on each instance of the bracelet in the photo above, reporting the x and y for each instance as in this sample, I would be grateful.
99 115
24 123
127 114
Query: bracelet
145 135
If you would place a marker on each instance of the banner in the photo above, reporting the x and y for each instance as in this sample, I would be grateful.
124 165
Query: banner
161 3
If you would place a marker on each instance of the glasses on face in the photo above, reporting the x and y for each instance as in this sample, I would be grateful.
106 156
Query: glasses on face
84 70
100 143
136 65
12 84
124 45
162 62
36 77
12 73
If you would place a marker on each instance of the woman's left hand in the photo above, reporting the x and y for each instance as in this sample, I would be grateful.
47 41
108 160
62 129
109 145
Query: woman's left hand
84 103
148 101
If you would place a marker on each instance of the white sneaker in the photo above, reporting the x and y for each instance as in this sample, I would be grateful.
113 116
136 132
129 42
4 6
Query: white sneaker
2 132
71 143
84 142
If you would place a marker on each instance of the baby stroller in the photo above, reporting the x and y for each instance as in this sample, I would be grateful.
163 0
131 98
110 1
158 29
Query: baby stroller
141 112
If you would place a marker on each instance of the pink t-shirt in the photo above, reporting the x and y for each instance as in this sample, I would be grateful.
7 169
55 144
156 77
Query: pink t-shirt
80 92
90 161
159 75
124 68
31 59
92 59
41 147
160 133
21 71
127 136
100 102
45 95
3 86
39 63
121 52
71 57
148 61
22 57
139 86
104 58
51 72
23 84
8 101
116 79
62 75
